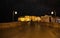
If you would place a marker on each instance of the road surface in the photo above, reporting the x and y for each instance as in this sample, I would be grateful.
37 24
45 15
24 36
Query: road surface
33 30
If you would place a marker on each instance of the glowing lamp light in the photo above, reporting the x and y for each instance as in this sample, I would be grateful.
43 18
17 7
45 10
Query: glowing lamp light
52 12
15 12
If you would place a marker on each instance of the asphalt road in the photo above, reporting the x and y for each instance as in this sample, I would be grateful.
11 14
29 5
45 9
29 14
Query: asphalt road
30 30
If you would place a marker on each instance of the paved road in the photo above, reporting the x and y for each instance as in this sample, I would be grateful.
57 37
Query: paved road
34 30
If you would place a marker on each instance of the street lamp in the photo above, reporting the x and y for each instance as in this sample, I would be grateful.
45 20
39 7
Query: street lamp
51 14
54 14
14 12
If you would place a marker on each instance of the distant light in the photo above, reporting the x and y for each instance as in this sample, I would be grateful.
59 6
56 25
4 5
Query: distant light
15 12
52 12
27 19
21 19
33 18
38 18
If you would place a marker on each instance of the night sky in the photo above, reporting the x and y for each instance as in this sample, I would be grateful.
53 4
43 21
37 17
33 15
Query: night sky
27 7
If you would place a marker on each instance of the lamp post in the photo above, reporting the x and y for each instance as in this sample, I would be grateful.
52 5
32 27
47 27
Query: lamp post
14 12
50 16
54 14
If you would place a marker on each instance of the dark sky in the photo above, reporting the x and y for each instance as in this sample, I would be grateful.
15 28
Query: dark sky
28 7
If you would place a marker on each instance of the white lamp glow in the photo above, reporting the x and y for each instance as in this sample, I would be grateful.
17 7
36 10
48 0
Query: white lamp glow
15 12
52 12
